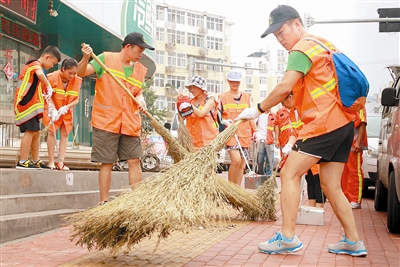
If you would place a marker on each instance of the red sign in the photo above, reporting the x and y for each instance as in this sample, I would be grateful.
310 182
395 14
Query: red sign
8 71
23 8
20 33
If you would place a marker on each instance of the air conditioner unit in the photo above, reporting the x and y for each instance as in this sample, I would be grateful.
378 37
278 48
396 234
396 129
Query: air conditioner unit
170 46
203 51
169 69
171 91
249 85
202 30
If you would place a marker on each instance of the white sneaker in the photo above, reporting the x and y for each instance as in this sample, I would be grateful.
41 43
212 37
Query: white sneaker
355 205
343 247
280 244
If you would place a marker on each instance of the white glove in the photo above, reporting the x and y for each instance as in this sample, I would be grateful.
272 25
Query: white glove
286 149
49 93
256 136
62 110
227 122
54 115
248 114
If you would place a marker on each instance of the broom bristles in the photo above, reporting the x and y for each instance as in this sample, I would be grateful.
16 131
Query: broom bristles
188 194
184 137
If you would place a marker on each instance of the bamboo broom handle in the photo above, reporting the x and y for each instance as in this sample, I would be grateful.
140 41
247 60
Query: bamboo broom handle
104 67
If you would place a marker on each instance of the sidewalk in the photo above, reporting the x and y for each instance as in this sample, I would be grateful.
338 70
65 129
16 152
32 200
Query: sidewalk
234 245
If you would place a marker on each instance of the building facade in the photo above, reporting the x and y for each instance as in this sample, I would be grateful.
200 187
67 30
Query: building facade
27 27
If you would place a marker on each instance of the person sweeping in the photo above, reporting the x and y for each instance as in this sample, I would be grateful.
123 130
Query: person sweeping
200 113
66 86
115 117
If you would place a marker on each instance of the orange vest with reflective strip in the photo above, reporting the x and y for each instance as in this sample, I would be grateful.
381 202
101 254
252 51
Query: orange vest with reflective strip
360 116
62 97
319 112
113 110
231 110
35 105
202 130
283 122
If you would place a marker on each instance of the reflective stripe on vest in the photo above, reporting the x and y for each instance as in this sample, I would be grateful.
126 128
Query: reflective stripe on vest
35 106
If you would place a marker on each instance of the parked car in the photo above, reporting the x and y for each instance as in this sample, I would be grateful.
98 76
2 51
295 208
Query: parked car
370 156
387 187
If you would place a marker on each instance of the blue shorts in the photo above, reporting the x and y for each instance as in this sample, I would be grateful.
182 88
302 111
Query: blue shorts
330 147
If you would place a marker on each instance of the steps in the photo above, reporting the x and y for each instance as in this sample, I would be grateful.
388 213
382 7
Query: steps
33 202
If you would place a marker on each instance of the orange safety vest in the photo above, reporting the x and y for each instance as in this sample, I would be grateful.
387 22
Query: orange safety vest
62 96
202 130
320 112
35 106
231 110
283 122
270 128
113 110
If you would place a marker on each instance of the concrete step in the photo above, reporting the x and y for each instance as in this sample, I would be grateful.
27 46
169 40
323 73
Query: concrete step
25 224
17 204
18 182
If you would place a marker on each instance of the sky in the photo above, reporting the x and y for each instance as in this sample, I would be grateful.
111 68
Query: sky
370 50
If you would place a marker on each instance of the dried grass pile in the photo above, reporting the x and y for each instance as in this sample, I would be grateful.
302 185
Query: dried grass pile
188 194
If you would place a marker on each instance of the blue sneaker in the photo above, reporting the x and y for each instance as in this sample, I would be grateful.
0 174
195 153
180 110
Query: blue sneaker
347 247
280 244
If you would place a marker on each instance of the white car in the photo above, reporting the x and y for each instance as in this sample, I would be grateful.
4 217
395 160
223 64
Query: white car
370 156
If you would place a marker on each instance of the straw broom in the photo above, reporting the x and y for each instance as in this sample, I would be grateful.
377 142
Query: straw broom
188 194
267 195
176 150
184 137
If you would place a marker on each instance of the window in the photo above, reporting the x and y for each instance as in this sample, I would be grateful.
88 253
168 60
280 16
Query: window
263 80
281 53
263 66
160 34
195 40
176 59
263 94
214 24
160 13
214 86
176 16
159 80
213 67
160 102
171 103
281 66
159 57
248 80
176 37
176 82
214 43
195 20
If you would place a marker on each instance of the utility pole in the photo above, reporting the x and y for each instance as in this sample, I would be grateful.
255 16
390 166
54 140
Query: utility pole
192 65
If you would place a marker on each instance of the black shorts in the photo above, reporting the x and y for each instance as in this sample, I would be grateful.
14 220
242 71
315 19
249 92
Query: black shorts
31 125
331 147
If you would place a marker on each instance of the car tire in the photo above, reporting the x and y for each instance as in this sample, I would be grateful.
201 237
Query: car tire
393 208
380 202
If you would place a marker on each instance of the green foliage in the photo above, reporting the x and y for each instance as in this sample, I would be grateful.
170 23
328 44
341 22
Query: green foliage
150 98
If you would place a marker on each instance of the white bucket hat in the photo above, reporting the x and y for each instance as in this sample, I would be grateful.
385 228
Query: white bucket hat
197 81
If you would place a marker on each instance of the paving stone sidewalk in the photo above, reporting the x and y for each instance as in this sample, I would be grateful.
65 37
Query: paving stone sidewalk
235 245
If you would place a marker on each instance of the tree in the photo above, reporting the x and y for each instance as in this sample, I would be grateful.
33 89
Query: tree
150 98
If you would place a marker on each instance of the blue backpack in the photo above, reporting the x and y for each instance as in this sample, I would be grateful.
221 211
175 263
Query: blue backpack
353 86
